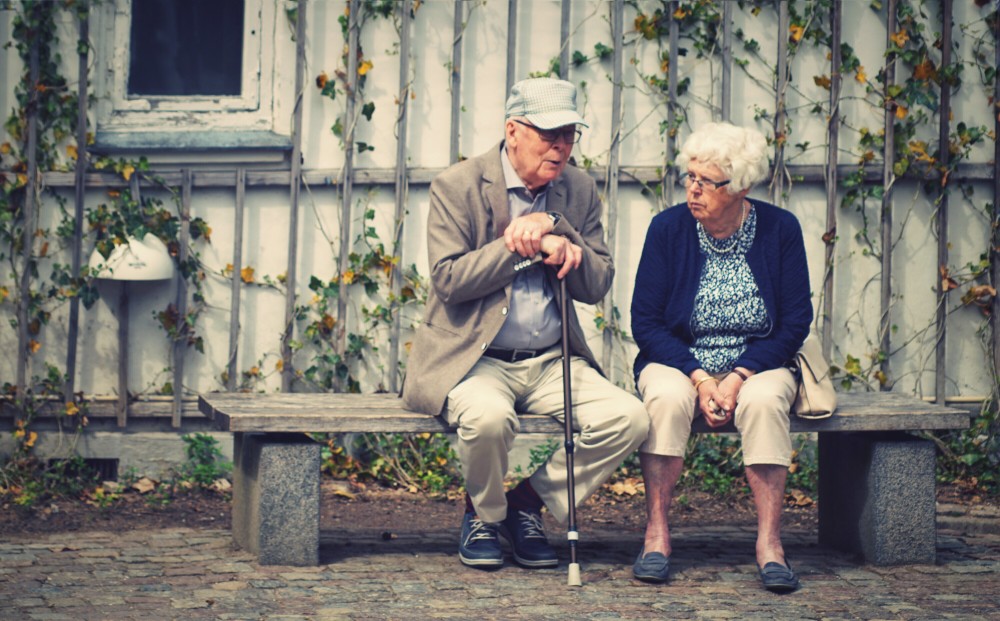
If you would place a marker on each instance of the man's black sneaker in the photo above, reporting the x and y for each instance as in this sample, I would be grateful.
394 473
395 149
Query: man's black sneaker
523 529
480 545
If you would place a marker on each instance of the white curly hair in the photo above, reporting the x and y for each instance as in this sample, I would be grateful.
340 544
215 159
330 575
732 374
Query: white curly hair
740 152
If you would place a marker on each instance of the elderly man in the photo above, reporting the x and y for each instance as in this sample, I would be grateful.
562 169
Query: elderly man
503 228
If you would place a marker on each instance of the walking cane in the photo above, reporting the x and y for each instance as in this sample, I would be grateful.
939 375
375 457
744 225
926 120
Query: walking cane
571 535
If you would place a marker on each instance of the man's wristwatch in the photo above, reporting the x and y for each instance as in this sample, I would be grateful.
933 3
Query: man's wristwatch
554 216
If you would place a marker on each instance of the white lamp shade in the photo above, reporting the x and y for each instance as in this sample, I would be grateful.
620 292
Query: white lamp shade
145 259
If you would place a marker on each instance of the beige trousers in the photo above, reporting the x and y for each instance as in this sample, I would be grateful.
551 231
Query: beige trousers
609 421
762 410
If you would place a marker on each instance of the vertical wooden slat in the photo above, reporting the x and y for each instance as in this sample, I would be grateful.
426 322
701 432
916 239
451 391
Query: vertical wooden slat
121 407
781 86
830 176
181 344
402 191
456 80
885 323
995 231
617 35
944 159
351 121
564 39
29 219
79 185
295 184
511 44
234 289
727 62
670 170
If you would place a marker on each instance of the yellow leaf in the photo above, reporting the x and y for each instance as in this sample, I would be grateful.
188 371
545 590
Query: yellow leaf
72 409
71 151
19 433
228 270
144 485
822 81
900 38
246 274
925 70
34 346
329 322
114 193
127 171
5 148
22 180
348 277
30 442
279 365
254 371
901 112
4 292
680 13
365 67
321 80
860 75
796 32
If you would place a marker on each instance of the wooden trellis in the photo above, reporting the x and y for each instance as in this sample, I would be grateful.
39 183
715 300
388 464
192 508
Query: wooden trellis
402 177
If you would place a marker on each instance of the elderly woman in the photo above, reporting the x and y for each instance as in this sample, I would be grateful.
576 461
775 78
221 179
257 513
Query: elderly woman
721 305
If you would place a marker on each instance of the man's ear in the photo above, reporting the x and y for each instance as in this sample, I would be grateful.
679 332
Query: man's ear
510 132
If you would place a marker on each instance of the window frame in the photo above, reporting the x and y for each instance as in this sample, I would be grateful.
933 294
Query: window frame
252 110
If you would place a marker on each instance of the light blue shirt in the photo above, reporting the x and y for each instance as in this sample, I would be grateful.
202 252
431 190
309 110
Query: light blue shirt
533 320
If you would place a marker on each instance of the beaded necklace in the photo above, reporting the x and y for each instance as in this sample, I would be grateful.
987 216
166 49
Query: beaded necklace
710 242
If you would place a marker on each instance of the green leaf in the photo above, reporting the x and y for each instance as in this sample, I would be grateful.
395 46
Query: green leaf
368 109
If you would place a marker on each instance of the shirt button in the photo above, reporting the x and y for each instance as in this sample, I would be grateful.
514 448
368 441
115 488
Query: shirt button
483 347
503 311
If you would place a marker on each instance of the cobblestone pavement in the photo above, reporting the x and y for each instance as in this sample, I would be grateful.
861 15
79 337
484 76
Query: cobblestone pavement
196 574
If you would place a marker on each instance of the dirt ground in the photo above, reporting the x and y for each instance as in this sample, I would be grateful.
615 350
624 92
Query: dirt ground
348 505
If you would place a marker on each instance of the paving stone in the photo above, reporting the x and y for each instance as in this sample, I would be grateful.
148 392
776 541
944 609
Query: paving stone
137 576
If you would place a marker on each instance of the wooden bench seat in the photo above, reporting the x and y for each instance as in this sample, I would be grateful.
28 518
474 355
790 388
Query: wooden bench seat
876 483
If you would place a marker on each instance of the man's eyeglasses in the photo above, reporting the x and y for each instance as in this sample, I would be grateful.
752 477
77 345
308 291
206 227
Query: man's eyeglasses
687 181
569 135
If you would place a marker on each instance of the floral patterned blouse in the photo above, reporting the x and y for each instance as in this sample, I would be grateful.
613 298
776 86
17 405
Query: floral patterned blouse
728 308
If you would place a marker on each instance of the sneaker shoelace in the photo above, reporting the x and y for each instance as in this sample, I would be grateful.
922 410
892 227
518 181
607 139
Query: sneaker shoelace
531 524
479 531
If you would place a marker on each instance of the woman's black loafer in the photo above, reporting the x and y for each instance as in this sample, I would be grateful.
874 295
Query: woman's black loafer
653 567
778 578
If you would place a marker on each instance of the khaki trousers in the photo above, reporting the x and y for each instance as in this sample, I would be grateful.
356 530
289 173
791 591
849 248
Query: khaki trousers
609 421
762 410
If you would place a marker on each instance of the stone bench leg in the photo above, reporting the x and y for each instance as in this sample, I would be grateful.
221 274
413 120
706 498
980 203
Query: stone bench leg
876 496
276 497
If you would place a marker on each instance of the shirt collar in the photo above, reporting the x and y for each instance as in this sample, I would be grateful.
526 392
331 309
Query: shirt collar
510 177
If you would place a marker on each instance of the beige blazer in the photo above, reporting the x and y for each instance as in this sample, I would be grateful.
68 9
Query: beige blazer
472 271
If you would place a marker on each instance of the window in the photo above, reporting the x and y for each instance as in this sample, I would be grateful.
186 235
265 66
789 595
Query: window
185 48
184 73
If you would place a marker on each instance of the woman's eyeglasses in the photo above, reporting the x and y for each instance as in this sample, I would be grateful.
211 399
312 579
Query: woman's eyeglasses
687 181
569 135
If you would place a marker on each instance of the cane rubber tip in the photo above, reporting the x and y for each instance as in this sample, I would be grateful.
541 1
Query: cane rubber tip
574 575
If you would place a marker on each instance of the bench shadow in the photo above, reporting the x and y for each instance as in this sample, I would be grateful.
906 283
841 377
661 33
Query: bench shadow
708 548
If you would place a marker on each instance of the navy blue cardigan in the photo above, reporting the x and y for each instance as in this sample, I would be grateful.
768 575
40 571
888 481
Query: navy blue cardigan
667 281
